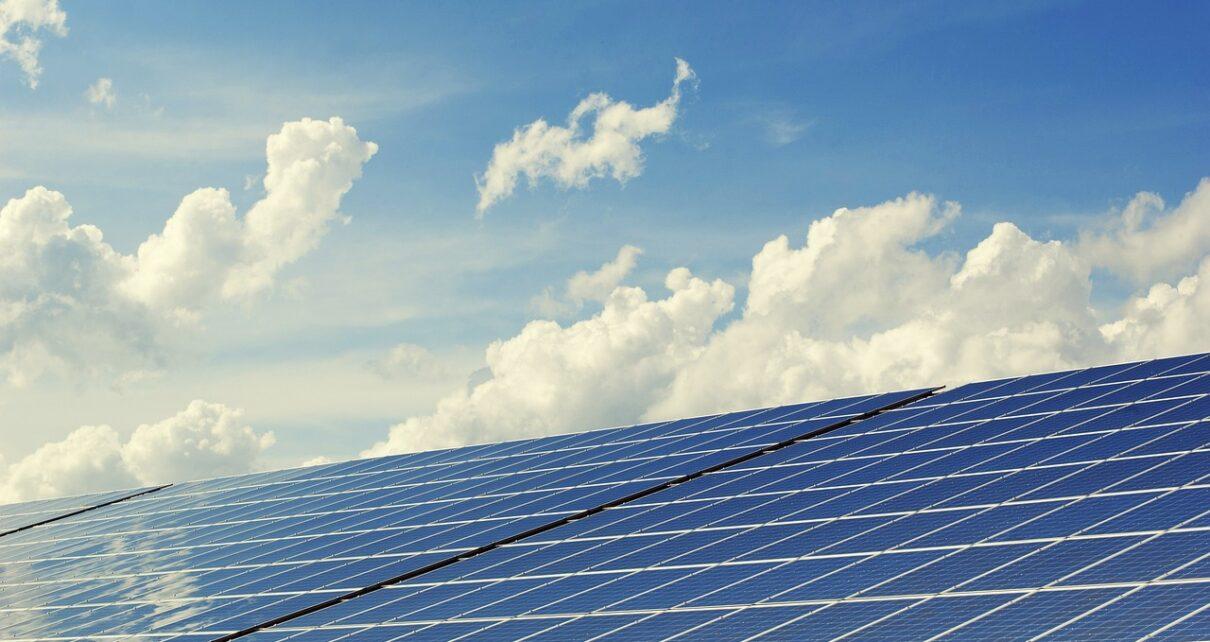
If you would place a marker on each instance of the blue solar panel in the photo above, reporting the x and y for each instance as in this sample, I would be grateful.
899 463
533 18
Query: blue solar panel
1069 506
206 559
23 515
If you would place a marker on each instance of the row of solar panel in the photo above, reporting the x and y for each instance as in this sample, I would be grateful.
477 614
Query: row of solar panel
1049 495
921 522
240 551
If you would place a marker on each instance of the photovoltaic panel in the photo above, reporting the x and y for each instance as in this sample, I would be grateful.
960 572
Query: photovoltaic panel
22 515
211 558
1064 506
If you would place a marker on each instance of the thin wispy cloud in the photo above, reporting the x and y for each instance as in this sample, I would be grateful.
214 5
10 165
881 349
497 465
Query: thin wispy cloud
782 126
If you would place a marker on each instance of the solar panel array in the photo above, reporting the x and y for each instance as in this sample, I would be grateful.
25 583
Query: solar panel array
213 558
1068 506
1073 506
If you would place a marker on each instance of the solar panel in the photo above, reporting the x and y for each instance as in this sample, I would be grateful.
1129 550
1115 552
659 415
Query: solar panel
1068 506
23 515
212 558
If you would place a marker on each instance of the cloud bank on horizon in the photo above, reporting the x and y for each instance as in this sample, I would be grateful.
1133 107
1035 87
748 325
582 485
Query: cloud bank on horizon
858 307
564 155
1010 305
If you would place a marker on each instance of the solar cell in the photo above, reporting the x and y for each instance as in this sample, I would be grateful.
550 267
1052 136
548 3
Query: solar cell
1068 505
210 558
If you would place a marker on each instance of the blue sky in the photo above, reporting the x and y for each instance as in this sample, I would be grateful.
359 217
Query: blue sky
1051 115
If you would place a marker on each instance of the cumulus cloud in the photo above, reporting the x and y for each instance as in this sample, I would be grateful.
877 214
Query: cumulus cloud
60 303
70 303
586 286
1167 319
591 373
203 440
101 93
21 23
1144 242
569 157
857 307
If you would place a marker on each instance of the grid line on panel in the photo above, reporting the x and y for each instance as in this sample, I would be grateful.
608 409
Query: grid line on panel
1176 622
570 518
1157 581
1076 536
85 509
1152 536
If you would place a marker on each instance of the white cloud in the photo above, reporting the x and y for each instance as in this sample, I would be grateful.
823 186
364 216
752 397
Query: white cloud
1145 243
20 24
203 440
586 286
602 370
869 312
102 93
60 308
858 307
205 252
857 264
70 303
1167 319
564 155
